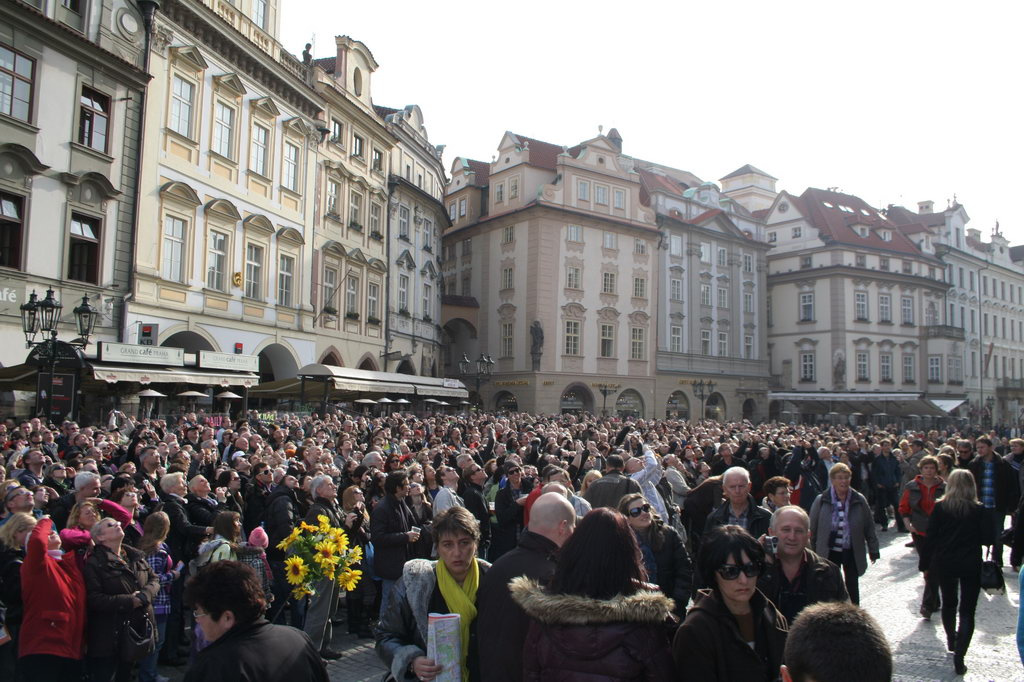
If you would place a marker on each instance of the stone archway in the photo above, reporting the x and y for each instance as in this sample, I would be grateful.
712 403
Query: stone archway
576 398
504 401
277 362
678 406
749 408
406 367
714 407
189 341
629 403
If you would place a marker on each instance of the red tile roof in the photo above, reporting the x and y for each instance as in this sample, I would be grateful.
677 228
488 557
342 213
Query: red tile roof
836 224
904 216
544 154
655 182
384 112
326 63
707 215
743 170
761 213
482 169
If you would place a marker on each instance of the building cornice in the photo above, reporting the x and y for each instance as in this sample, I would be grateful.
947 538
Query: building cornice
829 271
647 230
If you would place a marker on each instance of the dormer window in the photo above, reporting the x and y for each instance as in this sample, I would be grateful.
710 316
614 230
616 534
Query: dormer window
886 235
863 231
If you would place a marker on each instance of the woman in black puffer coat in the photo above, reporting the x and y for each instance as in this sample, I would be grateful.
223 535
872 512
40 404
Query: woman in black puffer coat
665 558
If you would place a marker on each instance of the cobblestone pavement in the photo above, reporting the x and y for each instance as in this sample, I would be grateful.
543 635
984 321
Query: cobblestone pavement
890 591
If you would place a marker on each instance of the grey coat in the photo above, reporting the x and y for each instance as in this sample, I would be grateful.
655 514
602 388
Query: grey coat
862 528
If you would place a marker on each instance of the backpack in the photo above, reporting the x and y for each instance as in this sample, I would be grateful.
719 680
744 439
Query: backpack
205 556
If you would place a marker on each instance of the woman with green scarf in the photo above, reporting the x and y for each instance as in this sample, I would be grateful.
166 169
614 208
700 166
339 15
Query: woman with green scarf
447 585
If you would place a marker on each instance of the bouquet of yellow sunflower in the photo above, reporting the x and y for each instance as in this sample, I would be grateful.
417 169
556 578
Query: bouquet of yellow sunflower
319 552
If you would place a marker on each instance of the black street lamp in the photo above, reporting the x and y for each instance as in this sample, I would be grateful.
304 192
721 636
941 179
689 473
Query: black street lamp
482 375
703 390
44 316
990 403
606 390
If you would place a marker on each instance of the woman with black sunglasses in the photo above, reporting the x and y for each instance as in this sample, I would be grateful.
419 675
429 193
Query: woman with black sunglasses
665 558
733 632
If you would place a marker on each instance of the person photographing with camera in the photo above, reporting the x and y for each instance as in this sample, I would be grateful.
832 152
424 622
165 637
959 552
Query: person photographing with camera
794 576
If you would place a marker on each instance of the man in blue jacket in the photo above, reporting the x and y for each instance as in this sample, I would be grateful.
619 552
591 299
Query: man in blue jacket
887 473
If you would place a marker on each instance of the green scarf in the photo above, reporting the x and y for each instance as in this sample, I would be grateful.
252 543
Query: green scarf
461 599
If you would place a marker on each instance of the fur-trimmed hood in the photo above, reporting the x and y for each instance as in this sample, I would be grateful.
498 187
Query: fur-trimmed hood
645 606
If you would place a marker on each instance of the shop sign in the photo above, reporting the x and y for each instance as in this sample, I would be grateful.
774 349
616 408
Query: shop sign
147 355
229 361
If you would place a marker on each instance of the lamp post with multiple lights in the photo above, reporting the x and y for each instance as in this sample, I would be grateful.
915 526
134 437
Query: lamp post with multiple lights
482 374
703 390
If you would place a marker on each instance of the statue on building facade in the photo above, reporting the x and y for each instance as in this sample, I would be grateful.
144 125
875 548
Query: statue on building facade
839 368
537 345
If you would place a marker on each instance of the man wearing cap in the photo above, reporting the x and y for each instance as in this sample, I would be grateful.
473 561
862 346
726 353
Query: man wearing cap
609 489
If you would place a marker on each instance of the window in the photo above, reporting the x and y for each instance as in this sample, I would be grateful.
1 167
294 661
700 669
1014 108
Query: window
619 199
885 367
357 146
355 209
807 307
372 301
748 347
259 13
285 278
805 262
675 339
291 167
183 94
17 73
337 131
886 235
11 222
639 287
462 208
863 371
216 261
860 260
935 368
172 253
884 308
573 277
403 293
705 342
637 344
640 247
797 232
574 233
675 245
907 267
748 302
722 257
467 246
508 234
748 263
705 252
403 223
258 153
428 235
583 190
253 271
860 306
675 287
333 190
84 251
907 309
705 295
608 283
723 297
377 163
955 369
773 237
508 278
466 282
807 372
352 294
723 344
601 195
513 188
451 211
768 309
609 240
607 340
572 337
506 339
970 279
499 193
883 263
94 119
908 368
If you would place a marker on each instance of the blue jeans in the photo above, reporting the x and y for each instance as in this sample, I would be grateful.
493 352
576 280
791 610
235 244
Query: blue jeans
147 666
386 588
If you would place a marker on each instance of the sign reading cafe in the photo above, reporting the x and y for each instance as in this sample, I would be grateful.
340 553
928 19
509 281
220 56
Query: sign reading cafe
148 355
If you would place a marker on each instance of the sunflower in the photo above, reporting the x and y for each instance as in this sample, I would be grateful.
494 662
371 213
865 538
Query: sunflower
325 523
326 553
287 542
300 592
339 538
348 578
308 528
295 570
356 554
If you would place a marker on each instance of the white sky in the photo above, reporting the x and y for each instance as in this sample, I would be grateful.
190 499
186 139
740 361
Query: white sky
895 101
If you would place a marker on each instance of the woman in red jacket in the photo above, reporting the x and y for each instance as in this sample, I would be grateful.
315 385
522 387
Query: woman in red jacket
53 594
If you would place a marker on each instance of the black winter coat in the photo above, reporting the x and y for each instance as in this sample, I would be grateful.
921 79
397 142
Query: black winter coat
675 570
10 583
501 624
202 512
708 646
109 585
390 520
510 520
758 518
822 581
184 536
1005 482
259 652
281 516
954 542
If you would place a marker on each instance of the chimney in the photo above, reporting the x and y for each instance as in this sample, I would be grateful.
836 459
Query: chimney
924 207
341 61
615 138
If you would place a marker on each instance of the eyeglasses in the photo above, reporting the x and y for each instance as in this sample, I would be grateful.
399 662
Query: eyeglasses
199 614
750 569
637 511
515 472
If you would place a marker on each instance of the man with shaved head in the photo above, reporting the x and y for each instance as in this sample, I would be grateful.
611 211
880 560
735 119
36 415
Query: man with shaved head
501 623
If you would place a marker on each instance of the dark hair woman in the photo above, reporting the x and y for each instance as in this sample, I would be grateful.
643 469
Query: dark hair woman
598 618
956 532
357 525
665 558
447 585
732 632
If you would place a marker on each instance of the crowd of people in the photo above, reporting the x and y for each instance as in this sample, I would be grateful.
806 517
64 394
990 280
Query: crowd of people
570 546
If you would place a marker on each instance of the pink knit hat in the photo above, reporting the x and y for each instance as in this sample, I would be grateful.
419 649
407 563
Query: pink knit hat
258 538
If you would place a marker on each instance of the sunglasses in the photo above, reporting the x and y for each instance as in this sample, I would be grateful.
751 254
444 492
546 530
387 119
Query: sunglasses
750 569
637 511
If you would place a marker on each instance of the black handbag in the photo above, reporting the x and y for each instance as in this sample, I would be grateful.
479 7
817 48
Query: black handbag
992 576
137 642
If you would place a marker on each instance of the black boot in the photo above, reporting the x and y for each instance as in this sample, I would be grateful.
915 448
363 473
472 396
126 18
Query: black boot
363 622
958 664
353 609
